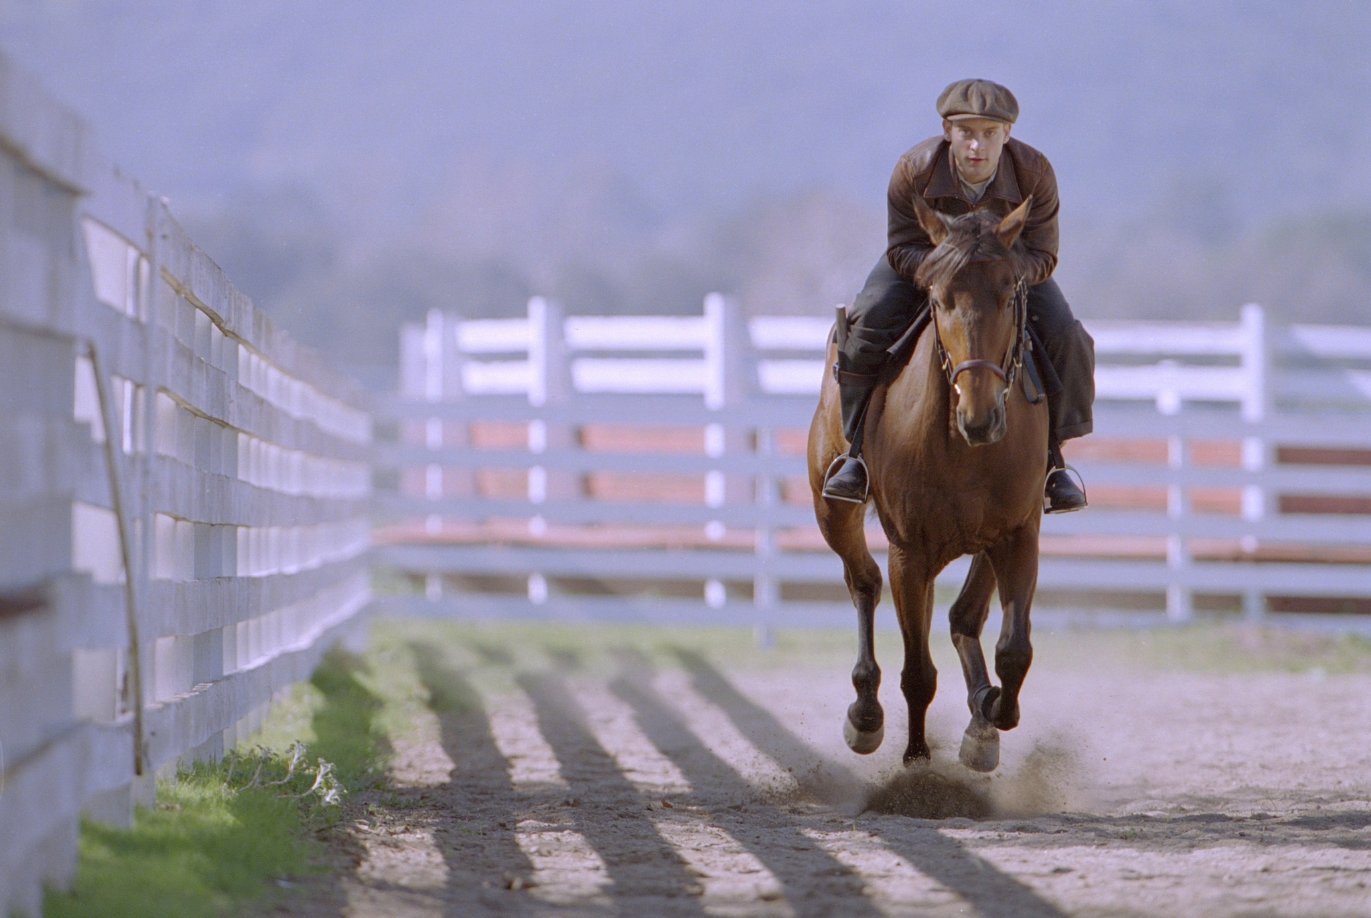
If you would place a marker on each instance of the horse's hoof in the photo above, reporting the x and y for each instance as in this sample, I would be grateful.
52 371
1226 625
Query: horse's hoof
862 742
980 746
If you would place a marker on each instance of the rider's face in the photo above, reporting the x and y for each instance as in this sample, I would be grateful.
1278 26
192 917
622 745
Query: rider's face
976 146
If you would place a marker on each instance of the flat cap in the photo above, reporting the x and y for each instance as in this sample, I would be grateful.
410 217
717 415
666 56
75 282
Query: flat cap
978 99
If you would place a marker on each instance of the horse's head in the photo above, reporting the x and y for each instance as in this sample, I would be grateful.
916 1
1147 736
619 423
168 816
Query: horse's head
978 302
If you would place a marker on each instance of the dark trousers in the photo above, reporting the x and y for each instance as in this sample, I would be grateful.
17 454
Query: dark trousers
888 303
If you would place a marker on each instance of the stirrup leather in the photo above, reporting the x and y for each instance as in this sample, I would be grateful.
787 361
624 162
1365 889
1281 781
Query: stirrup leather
834 465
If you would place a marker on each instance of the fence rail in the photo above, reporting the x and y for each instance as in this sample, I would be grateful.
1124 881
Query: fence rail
186 497
631 467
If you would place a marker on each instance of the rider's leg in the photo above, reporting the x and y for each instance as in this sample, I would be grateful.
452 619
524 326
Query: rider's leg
847 479
1071 351
876 318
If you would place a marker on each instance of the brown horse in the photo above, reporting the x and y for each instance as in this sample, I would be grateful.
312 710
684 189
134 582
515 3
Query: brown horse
955 454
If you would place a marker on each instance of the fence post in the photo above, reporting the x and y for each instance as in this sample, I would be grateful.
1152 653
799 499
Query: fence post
766 595
550 384
727 387
1179 601
441 380
433 363
1257 451
152 296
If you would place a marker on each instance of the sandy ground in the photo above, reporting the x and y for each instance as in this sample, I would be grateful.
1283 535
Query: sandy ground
605 782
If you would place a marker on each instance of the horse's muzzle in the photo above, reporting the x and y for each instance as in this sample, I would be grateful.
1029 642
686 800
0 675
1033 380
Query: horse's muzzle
981 406
984 427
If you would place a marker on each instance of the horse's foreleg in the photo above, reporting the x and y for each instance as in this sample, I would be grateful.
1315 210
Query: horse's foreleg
1016 568
842 528
912 588
865 726
967 618
980 748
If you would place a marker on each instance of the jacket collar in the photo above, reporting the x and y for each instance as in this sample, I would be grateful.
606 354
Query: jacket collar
944 183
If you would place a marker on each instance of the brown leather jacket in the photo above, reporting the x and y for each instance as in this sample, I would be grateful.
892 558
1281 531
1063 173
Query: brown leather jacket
926 169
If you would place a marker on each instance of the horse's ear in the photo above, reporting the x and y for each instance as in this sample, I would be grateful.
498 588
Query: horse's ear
934 223
1012 225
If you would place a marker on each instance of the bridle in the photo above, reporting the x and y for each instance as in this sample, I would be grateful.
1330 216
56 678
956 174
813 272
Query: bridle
1008 367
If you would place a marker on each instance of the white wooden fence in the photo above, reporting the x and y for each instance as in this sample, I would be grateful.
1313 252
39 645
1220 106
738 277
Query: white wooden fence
184 495
633 467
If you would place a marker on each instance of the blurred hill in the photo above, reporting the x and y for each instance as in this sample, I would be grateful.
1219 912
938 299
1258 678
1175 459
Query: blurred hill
353 164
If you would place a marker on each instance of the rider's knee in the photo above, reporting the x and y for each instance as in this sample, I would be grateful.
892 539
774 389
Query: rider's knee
884 296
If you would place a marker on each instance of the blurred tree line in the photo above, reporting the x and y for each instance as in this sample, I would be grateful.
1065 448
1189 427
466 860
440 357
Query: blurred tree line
484 246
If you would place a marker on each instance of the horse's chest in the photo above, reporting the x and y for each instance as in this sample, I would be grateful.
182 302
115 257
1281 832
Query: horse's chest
948 522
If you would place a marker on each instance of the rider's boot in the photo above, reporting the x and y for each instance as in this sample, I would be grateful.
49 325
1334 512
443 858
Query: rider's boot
847 479
1061 493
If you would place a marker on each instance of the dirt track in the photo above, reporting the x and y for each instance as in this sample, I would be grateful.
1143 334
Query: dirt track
619 776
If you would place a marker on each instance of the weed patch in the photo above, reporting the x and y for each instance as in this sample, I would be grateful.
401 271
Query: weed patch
223 834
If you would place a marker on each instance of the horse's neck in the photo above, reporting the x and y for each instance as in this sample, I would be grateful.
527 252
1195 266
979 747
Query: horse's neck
924 394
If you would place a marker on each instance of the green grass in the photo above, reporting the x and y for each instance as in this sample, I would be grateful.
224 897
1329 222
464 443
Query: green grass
205 847
222 834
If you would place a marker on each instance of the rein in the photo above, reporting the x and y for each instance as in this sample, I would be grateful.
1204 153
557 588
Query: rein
1008 367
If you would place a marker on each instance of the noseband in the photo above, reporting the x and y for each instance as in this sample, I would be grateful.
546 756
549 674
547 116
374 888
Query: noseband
1008 367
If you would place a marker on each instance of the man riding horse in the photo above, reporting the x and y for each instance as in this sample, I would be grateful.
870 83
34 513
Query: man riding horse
972 165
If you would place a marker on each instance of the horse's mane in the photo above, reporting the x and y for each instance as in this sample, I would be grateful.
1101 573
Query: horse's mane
971 238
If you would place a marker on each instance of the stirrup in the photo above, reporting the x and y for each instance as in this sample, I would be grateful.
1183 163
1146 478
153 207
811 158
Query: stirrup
866 476
1078 481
